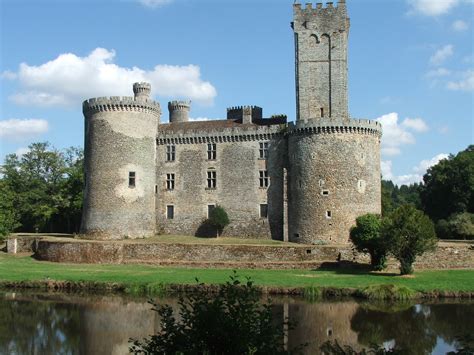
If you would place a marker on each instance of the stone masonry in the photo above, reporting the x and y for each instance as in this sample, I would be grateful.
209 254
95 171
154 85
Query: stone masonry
304 182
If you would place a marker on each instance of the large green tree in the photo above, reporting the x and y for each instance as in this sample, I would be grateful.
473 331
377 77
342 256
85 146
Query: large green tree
449 186
46 188
408 233
366 237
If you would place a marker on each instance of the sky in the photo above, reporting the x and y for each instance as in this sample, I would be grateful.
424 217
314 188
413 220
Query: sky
411 67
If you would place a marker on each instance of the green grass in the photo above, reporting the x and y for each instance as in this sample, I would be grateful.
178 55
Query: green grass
25 268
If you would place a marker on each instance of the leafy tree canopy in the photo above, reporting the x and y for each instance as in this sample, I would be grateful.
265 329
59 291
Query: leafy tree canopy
408 233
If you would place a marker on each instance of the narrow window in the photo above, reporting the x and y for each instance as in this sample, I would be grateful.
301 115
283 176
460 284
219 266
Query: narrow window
211 151
263 210
263 178
156 189
296 235
328 214
170 212
209 210
211 179
170 152
131 179
263 150
170 181
322 112
325 192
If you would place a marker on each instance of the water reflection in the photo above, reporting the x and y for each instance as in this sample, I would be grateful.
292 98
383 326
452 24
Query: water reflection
75 324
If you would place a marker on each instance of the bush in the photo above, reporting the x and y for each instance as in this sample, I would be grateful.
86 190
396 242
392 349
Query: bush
219 219
231 322
408 233
367 239
458 226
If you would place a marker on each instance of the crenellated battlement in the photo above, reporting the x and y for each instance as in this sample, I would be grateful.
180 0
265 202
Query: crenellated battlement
179 105
245 113
120 103
319 9
361 126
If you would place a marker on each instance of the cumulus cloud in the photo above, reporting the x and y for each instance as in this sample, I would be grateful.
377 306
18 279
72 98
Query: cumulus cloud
416 124
20 129
466 83
437 73
396 135
440 56
416 175
432 7
69 79
154 3
459 26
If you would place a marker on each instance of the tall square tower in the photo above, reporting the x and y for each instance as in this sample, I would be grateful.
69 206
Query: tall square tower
321 35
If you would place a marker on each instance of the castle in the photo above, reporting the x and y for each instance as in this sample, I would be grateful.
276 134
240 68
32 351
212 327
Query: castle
304 181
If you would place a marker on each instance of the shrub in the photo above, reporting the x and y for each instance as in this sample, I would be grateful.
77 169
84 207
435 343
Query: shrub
408 233
457 226
219 218
231 322
366 238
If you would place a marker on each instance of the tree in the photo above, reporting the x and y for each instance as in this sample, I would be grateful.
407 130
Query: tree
457 226
408 233
367 239
394 196
219 218
8 214
231 322
449 186
46 185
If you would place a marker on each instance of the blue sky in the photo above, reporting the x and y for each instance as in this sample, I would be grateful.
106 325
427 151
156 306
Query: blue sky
411 65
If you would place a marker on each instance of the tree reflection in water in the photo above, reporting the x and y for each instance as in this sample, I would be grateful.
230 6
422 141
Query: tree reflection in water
77 324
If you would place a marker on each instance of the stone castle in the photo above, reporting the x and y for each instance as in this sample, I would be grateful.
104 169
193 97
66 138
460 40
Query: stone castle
304 181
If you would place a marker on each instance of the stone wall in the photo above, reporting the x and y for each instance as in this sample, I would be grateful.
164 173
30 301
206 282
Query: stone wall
120 138
334 177
448 255
237 166
321 60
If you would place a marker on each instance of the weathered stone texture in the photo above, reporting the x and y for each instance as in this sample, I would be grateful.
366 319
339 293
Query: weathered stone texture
120 138
334 178
447 255
321 60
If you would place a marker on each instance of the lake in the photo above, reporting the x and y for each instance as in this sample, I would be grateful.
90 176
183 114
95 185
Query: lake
69 323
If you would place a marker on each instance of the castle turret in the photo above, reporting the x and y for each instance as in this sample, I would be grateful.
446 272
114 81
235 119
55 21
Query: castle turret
179 111
142 91
334 161
321 35
245 114
120 133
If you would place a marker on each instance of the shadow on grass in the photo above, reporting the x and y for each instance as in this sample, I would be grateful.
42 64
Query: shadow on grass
351 268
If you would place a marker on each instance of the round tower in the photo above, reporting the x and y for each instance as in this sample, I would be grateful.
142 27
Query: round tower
142 91
334 177
120 134
179 111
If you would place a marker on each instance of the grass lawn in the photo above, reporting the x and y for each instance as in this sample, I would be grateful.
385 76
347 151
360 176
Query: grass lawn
25 268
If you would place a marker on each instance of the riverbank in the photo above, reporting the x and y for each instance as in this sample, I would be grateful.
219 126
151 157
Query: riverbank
22 271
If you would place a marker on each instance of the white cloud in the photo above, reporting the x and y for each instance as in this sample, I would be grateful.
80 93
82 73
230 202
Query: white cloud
416 124
154 3
442 54
432 7
20 129
459 26
393 134
438 72
21 151
416 176
69 79
7 74
466 83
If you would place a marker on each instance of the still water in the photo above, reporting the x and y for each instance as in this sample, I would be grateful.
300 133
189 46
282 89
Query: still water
59 323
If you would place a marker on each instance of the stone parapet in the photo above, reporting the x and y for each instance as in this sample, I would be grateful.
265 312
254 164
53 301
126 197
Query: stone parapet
120 103
331 125
220 134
